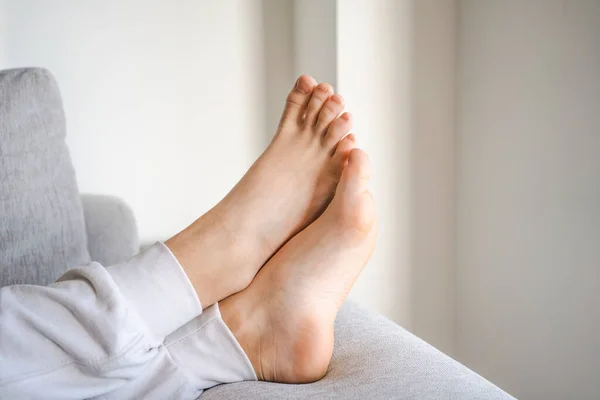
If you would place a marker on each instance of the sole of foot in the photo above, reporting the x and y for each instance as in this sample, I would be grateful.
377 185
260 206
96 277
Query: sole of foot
286 189
284 319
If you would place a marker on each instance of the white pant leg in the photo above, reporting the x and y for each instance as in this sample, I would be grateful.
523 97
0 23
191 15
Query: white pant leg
201 354
109 333
208 351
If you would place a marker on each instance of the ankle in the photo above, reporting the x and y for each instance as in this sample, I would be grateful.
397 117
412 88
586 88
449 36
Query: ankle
249 243
215 264
242 317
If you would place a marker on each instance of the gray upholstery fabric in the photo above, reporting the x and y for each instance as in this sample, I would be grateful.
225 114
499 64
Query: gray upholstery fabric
111 229
375 359
42 230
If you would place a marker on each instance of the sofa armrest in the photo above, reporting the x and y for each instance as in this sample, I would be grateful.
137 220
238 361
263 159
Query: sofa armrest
374 358
111 229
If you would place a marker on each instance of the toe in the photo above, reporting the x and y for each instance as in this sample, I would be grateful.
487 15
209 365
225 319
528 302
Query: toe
297 100
353 205
331 109
356 175
321 93
338 129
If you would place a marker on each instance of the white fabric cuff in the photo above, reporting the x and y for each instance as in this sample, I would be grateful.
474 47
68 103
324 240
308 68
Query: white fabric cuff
208 353
156 285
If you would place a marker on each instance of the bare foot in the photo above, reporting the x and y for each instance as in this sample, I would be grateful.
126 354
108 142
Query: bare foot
284 319
285 190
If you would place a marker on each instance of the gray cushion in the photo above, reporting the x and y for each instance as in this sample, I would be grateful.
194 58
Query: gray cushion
42 230
111 229
374 358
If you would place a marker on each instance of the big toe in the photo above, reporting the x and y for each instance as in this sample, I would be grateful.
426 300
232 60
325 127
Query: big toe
353 205
355 177
297 100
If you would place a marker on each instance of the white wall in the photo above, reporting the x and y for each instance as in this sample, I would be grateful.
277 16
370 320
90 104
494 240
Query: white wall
279 68
164 100
396 70
528 170
433 184
315 46
3 29
375 80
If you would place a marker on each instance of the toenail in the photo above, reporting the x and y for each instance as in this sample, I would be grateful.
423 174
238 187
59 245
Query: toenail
323 87
337 99
302 85
346 116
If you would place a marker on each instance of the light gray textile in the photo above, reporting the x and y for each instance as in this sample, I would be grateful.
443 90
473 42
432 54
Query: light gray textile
42 230
134 330
112 234
375 359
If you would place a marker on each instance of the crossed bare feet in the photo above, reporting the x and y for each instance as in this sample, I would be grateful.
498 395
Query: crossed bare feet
284 319
309 185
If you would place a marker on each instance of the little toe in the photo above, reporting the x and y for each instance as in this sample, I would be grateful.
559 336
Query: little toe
338 129
321 93
297 100
331 109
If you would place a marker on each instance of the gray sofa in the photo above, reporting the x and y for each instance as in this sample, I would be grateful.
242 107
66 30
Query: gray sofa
46 227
